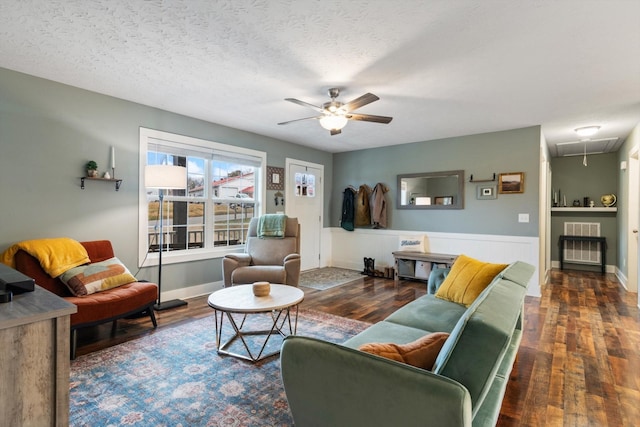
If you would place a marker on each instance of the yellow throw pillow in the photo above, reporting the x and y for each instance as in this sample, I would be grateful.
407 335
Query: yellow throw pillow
421 353
467 279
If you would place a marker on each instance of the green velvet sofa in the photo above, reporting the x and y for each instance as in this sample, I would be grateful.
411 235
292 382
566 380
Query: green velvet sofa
336 385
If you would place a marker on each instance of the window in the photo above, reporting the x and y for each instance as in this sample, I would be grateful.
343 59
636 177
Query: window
211 215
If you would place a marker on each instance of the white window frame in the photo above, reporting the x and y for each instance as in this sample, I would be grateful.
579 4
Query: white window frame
146 258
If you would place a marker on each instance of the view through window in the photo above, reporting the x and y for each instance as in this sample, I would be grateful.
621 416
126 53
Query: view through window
221 195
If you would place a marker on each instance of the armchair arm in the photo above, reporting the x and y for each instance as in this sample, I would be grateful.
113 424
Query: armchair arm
332 385
232 261
291 257
242 259
292 269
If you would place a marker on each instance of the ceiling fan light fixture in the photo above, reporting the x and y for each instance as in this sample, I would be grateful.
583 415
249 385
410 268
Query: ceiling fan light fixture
333 121
587 130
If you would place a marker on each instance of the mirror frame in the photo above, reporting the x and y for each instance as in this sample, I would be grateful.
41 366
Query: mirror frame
459 204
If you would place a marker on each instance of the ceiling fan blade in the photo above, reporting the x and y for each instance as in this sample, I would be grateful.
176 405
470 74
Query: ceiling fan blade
297 120
365 99
335 131
369 118
304 104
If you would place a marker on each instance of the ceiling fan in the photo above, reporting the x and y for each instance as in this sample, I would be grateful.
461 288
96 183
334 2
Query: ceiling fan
334 115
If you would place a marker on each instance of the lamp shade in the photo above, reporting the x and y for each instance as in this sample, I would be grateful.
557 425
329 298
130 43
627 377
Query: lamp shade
165 176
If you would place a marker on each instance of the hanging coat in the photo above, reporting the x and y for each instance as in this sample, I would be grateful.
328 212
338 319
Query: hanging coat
363 212
348 212
378 206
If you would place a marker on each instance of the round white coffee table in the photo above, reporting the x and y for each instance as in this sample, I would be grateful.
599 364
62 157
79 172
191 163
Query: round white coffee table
240 299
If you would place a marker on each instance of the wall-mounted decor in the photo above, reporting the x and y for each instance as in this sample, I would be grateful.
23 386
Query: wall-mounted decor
486 192
431 190
275 178
511 182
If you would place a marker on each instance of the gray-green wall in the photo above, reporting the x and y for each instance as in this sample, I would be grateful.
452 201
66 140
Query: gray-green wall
481 155
576 181
48 131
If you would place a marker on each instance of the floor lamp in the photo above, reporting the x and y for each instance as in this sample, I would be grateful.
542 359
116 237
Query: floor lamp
164 177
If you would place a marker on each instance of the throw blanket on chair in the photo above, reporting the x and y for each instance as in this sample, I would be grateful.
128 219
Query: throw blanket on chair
271 225
55 255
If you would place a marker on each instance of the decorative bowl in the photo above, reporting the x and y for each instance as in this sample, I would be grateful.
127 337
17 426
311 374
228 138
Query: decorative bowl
261 289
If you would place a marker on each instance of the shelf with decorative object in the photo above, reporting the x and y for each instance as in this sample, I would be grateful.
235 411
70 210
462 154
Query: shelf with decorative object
118 182
584 210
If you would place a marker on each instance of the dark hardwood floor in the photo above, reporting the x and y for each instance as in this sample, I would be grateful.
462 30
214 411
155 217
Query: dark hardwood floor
578 363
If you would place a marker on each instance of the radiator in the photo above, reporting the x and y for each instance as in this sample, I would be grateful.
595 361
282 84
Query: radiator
582 252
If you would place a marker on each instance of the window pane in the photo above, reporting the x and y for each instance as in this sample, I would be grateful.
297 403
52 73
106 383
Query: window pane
232 180
231 222
196 176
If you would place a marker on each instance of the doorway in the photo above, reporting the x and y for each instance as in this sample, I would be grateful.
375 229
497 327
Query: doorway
305 200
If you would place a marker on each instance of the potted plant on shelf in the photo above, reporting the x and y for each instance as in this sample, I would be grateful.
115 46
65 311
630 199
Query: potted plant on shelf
92 169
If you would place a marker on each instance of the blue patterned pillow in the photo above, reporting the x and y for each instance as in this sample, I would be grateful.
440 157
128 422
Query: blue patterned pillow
98 276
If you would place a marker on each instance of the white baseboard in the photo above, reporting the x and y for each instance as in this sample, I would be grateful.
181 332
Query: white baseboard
622 278
607 268
192 291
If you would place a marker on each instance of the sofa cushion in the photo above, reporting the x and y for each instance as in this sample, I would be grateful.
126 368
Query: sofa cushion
262 273
386 332
429 314
421 353
115 303
96 277
467 279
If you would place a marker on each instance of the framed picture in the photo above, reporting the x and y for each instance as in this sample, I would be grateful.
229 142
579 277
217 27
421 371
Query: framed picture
275 178
445 200
511 182
486 192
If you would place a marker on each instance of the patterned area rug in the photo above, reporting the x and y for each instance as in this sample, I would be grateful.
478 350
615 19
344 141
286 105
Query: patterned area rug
328 277
175 377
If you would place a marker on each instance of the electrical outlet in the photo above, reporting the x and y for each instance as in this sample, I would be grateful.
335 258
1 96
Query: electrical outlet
523 217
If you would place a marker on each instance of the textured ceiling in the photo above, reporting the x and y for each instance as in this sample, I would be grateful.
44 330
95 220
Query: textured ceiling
440 68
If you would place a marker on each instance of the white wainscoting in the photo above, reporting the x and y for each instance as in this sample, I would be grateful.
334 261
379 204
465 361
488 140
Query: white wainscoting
348 248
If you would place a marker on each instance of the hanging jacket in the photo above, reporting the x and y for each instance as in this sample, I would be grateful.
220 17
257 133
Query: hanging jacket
348 212
363 212
378 206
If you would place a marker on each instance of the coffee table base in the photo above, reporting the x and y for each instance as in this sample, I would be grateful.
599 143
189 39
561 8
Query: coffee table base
283 317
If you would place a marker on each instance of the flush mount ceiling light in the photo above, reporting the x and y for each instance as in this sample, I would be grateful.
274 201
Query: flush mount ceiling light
587 130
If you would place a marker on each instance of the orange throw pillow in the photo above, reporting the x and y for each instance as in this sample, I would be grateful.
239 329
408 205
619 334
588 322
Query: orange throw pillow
467 279
421 353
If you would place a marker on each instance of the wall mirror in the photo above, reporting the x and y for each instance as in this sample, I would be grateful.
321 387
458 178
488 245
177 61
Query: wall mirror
431 190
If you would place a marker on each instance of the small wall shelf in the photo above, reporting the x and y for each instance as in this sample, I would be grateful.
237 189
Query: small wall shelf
584 210
118 182
482 180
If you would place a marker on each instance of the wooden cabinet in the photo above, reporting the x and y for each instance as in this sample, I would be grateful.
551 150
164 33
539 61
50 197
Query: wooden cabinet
34 358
